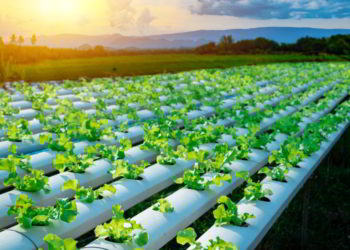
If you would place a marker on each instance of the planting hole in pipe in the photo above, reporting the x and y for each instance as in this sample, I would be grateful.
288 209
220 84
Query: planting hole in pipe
265 199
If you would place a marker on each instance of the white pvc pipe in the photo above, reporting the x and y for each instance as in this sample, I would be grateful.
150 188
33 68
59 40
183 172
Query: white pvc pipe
162 229
130 190
37 127
266 213
49 155
188 205
227 139
143 114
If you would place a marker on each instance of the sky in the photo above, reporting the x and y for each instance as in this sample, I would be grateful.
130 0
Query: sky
145 17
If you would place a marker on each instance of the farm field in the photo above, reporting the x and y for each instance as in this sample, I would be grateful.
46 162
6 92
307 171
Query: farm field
207 159
148 64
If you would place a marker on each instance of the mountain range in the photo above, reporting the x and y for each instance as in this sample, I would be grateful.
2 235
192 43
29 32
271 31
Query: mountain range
184 39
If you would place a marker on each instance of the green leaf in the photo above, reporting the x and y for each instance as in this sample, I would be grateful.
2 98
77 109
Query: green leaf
120 230
13 148
141 238
43 138
118 213
34 182
242 174
163 206
185 236
56 243
70 184
220 244
227 213
28 215
108 188
67 210
179 180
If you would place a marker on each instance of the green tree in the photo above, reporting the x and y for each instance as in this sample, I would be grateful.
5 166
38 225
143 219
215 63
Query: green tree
5 67
20 40
206 48
226 40
226 43
34 39
339 44
13 38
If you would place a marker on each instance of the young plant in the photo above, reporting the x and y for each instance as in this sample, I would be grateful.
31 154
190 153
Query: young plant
243 146
276 173
124 108
201 158
207 134
39 103
121 230
18 131
168 158
77 125
219 244
61 144
227 213
5 106
261 141
72 162
157 134
54 242
193 180
188 236
290 153
34 182
163 206
156 138
123 127
39 99
254 190
28 215
112 153
87 195
246 119
124 169
11 162
288 125
89 128
223 154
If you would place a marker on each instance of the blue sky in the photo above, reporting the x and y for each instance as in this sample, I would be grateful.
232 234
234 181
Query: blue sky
144 17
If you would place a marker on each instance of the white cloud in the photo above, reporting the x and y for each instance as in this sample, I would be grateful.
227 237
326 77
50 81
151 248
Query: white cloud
120 14
144 21
123 16
269 9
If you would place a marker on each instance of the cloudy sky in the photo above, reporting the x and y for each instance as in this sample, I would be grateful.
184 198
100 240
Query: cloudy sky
143 17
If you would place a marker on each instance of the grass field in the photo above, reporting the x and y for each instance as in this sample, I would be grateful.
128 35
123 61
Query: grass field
147 64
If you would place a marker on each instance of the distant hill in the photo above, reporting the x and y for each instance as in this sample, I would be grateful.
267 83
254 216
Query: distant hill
185 39
84 47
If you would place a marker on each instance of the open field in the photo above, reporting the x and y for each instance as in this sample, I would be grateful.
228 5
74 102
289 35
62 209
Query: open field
213 157
148 64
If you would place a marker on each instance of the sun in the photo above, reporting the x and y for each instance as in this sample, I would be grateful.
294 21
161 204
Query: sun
54 8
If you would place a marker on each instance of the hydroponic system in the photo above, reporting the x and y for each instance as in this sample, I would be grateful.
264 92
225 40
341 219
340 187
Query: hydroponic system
75 155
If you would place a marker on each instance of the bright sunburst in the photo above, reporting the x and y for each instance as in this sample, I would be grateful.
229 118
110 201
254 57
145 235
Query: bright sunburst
56 8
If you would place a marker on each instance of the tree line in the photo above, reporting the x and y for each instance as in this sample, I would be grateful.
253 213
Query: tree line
337 45
18 40
15 52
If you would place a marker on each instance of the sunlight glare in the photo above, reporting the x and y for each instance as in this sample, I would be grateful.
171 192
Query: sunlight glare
61 8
